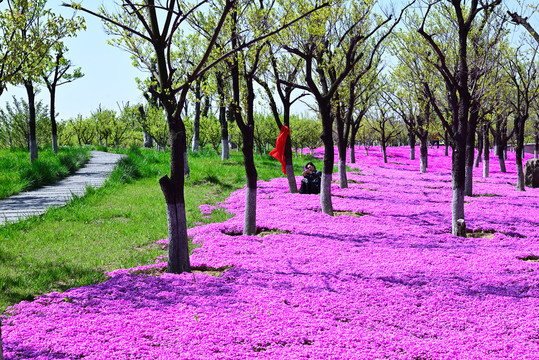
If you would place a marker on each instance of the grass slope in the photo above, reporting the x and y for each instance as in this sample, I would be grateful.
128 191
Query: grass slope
17 174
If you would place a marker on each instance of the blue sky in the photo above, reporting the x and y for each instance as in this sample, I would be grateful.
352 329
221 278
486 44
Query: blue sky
109 76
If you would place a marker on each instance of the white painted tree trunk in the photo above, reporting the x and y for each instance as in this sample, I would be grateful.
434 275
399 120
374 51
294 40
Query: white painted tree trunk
520 177
292 186
195 143
423 163
249 223
325 194
225 149
486 169
343 181
457 210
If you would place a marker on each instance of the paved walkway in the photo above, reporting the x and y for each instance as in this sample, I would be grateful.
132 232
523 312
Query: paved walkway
34 203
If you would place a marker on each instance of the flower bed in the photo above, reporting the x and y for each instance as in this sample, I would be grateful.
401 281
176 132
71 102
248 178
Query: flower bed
384 279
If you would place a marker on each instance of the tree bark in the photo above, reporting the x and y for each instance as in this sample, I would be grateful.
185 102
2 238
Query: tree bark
195 142
173 190
470 149
423 154
54 127
384 151
411 139
480 141
352 154
519 132
536 148
32 141
329 156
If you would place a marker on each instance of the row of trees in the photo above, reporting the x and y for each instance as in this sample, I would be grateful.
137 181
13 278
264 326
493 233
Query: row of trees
32 55
219 52
131 124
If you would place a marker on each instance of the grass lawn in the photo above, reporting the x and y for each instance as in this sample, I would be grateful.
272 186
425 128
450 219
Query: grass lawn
115 226
18 174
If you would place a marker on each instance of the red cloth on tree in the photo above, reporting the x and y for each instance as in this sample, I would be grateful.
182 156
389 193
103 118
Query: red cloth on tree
278 152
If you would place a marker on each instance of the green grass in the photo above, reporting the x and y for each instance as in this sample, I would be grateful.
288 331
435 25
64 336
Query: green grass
17 174
115 226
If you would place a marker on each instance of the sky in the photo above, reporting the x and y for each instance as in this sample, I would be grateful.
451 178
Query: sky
109 77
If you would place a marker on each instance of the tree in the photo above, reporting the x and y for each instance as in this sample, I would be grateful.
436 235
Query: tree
57 75
384 125
283 68
15 127
31 22
459 97
523 70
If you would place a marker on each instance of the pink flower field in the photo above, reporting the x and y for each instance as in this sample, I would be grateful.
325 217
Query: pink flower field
383 279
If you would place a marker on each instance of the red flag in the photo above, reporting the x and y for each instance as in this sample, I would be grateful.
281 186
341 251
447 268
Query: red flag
278 152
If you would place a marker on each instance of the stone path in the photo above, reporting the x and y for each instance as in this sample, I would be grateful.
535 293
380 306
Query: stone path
34 203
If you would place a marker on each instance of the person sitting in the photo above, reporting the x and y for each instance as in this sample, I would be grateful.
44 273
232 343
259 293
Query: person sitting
310 184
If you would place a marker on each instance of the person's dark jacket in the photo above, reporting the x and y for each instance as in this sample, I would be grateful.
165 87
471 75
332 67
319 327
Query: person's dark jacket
311 183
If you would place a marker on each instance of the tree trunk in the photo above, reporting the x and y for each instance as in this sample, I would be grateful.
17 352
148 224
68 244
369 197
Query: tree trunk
173 190
292 186
225 148
329 156
54 127
486 152
195 142
446 144
536 148
411 138
480 141
519 133
470 151
458 180
423 155
352 154
353 133
384 152
343 181
32 141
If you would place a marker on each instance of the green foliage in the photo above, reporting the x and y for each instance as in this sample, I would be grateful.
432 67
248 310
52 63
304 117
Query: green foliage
14 127
18 174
